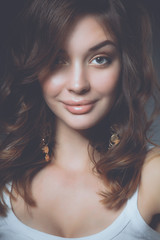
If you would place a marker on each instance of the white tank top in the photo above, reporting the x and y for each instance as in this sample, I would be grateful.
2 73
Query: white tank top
129 225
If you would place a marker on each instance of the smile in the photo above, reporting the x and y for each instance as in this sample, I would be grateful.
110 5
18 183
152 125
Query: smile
79 108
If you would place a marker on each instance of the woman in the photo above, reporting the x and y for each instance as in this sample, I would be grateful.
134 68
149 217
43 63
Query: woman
74 158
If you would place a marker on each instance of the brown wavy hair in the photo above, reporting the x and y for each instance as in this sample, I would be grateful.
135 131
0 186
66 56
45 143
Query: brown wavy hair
35 37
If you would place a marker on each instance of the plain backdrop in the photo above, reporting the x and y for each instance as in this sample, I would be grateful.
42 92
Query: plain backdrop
153 7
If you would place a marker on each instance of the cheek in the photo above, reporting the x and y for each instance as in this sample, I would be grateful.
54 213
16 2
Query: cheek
52 86
106 81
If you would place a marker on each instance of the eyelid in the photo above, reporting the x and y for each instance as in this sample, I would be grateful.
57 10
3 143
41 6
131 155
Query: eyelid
103 55
62 58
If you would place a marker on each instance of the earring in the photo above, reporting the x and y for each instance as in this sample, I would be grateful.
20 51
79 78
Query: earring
45 150
115 139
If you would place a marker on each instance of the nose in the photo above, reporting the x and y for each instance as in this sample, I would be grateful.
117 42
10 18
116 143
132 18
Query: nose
78 81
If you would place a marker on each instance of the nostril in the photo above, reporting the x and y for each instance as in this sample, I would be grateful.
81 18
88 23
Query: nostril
84 91
79 89
79 86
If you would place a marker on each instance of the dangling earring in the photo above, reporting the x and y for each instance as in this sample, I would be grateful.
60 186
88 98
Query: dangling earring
45 150
115 139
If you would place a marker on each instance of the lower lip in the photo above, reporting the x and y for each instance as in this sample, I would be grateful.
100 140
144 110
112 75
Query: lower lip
79 109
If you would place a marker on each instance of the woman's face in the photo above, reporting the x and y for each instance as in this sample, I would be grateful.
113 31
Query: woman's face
82 87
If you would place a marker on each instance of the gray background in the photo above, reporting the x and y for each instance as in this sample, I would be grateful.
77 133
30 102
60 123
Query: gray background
153 7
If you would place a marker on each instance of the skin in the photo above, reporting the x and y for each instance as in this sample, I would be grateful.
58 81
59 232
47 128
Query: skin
81 75
86 72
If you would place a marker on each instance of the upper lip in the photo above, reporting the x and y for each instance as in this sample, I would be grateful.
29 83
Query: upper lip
78 102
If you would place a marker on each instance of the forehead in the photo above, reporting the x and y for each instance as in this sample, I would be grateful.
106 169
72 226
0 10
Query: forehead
85 33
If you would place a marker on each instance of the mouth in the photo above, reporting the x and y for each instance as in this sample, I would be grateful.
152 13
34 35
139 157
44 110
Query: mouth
79 107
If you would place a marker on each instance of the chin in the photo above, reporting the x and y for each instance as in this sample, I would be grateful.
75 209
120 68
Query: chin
85 124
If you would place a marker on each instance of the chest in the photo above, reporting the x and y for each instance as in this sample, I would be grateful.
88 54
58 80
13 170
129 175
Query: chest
66 207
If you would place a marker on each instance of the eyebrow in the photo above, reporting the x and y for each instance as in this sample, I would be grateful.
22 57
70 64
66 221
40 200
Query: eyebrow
102 44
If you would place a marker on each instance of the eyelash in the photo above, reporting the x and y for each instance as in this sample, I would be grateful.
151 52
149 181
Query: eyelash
62 61
101 60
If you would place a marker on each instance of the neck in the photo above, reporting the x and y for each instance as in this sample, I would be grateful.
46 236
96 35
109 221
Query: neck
71 151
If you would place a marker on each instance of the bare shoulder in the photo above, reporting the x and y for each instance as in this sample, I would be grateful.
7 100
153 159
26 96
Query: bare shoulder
151 167
150 180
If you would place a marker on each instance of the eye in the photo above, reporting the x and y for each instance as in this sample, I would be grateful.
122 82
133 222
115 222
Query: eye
101 60
60 61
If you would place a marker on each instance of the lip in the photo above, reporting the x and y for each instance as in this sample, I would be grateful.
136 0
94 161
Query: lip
79 107
78 102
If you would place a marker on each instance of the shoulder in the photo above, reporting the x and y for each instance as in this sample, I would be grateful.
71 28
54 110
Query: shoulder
150 180
151 165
